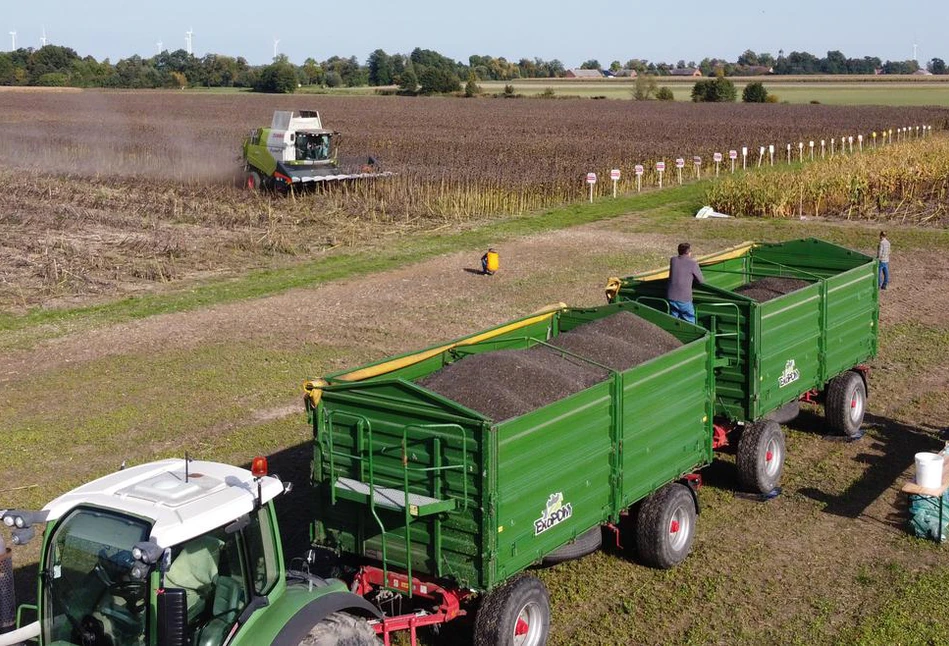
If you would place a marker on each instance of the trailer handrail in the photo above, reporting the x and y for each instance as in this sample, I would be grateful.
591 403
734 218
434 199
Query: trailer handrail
436 454
362 424
372 486
664 301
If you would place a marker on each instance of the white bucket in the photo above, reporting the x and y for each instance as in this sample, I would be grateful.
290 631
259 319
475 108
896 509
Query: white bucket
929 470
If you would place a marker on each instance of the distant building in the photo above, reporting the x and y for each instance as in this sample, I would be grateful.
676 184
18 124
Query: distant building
922 72
584 74
631 74
686 71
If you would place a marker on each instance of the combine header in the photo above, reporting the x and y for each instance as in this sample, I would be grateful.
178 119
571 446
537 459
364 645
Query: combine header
296 150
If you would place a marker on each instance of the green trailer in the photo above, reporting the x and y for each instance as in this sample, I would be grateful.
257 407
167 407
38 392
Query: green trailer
441 501
809 344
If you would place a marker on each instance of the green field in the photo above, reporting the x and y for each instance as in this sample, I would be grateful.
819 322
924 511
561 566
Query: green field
833 92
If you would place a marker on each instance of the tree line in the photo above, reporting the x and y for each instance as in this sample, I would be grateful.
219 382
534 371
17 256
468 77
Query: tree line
422 71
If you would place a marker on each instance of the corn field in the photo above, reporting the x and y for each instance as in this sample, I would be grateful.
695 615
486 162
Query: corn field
907 183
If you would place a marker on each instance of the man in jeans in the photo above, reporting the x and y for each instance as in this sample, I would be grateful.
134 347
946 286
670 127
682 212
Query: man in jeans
682 271
883 255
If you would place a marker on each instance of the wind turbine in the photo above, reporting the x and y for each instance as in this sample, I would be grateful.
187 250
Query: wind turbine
43 39
13 37
189 38
275 42
159 43
915 55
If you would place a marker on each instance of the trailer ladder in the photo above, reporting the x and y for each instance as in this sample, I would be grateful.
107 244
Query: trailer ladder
366 491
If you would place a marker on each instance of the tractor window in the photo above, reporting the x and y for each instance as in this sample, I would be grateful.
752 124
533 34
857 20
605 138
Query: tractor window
88 591
262 551
312 147
210 571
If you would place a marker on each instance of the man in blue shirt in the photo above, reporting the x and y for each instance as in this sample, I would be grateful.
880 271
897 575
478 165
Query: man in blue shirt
683 270
883 255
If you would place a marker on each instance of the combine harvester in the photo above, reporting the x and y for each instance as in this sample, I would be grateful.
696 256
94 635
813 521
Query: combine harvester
296 150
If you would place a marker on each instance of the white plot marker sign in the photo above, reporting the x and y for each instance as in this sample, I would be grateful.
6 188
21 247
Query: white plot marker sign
771 153
744 157
680 164
717 157
733 155
639 170
591 180
615 175
660 168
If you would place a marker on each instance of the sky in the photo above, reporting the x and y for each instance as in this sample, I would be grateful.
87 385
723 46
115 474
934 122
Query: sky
572 32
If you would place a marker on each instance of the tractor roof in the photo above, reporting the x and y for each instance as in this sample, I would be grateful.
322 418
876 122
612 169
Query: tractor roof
213 494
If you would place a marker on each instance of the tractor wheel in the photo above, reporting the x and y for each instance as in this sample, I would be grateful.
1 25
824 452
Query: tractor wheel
515 614
252 181
846 403
340 629
586 543
665 526
760 456
786 413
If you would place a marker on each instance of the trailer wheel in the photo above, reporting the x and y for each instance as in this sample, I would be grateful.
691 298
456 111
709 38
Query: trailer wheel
586 543
760 456
340 629
665 526
846 403
786 413
252 181
516 614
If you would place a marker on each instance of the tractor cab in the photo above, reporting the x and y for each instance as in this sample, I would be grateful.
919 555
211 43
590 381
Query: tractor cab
314 146
189 546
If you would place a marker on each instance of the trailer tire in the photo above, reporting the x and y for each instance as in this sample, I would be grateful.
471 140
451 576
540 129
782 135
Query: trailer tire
665 526
786 413
846 403
515 614
583 545
341 629
760 457
252 181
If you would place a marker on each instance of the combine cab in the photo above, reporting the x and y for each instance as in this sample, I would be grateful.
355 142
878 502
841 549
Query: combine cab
296 150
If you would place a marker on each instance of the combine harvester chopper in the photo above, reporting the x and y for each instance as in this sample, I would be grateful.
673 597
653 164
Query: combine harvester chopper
295 151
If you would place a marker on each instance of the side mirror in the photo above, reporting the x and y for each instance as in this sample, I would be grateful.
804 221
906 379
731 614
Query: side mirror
172 617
